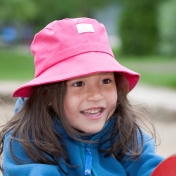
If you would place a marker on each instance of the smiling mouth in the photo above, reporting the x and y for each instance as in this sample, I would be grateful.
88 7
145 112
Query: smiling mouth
93 112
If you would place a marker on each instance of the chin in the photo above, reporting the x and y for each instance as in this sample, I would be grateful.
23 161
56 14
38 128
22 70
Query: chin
93 130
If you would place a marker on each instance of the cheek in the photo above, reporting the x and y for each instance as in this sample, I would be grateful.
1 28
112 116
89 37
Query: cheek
112 100
113 95
67 107
112 104
69 113
71 107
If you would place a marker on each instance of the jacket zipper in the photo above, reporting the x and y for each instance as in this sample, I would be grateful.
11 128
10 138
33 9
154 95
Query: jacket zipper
88 161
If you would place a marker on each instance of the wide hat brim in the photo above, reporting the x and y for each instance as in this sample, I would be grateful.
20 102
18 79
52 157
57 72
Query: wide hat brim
76 66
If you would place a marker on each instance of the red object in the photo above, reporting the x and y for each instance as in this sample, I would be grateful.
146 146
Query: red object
166 168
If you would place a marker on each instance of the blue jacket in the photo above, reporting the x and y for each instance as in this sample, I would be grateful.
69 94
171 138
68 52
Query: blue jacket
85 156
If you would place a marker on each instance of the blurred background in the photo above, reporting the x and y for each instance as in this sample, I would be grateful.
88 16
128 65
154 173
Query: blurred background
142 35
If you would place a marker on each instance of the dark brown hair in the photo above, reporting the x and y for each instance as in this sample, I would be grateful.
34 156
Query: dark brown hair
35 121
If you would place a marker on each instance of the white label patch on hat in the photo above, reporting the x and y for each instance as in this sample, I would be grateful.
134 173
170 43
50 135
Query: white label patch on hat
84 28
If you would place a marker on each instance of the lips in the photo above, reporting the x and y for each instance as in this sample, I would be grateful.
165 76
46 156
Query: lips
92 112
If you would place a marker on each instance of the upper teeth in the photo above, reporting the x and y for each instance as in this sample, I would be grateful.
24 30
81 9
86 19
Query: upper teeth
91 111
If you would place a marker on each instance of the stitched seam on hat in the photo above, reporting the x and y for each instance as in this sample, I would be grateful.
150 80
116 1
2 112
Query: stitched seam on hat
74 51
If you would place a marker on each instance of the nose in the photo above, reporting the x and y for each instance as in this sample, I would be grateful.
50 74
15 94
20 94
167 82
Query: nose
94 94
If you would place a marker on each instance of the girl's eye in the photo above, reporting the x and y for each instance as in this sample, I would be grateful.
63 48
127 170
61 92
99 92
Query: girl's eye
79 84
106 81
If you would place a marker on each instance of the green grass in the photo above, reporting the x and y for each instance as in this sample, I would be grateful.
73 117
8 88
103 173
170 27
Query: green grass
17 64
154 70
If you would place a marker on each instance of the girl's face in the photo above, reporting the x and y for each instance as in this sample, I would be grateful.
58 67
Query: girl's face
90 101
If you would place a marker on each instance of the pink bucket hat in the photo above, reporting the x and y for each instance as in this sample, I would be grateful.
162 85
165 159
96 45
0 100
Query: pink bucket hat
71 48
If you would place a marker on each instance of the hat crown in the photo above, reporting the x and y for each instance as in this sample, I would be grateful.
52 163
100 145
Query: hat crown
64 40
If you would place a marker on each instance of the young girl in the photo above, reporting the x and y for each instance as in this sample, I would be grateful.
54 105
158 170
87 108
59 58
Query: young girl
76 119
